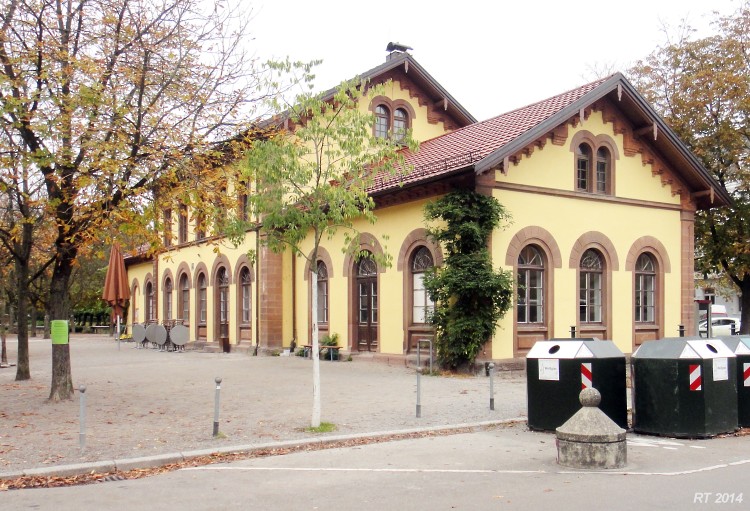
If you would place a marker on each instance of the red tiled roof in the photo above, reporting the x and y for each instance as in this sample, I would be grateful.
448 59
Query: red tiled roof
468 145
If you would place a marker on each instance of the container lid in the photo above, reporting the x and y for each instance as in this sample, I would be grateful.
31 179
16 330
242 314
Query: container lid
683 348
739 344
574 348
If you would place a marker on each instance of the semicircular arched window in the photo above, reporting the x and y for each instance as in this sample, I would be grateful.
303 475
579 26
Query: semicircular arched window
591 287
422 304
645 289
530 307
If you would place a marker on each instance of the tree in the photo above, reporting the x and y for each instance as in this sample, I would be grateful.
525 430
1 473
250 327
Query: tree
470 296
21 233
702 88
314 181
102 99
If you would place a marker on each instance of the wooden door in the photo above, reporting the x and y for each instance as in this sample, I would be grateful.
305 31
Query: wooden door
367 305
223 309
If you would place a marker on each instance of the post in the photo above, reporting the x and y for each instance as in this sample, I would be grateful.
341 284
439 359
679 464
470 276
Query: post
681 329
117 332
573 332
419 391
82 418
216 406
733 329
492 387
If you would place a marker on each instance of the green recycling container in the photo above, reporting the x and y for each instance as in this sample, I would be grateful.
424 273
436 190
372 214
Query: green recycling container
684 387
740 345
558 369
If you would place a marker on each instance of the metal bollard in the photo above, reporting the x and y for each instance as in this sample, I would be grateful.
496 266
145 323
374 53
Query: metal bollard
681 329
82 418
573 332
733 329
419 392
216 406
491 367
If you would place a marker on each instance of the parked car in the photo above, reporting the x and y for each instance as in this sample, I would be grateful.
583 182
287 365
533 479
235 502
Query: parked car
719 326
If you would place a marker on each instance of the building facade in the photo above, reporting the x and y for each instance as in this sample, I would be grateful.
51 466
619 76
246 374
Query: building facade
602 196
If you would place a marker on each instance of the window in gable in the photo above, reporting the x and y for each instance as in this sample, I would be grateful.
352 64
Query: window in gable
602 170
400 124
594 163
382 121
583 166
391 120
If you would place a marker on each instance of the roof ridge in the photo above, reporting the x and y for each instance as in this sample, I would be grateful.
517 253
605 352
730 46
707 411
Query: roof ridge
592 85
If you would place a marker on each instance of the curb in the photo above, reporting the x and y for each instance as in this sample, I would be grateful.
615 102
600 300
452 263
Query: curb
124 465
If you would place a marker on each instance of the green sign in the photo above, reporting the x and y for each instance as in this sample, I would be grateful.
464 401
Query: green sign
59 331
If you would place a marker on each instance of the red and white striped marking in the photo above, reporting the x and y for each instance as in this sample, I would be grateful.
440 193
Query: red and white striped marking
695 377
746 374
586 379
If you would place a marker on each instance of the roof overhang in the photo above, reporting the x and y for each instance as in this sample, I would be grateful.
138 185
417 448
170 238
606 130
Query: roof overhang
705 190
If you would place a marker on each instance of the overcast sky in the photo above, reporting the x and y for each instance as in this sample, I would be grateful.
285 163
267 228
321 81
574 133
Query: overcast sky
492 56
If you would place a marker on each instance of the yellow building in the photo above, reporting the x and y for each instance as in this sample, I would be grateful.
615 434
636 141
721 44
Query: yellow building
601 191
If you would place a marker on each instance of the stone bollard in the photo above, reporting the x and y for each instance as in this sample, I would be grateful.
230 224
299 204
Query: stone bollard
590 439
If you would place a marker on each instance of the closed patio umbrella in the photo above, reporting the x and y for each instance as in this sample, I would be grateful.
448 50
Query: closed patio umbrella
116 291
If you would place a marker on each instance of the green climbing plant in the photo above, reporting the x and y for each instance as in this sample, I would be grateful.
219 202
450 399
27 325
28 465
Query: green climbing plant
470 295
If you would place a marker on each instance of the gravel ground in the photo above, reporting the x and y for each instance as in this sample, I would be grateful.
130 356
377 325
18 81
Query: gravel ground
142 402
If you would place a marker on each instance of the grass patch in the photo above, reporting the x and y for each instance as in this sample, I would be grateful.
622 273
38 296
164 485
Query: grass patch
325 427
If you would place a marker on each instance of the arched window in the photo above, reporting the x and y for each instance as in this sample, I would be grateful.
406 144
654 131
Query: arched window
602 170
183 300
246 294
591 294
322 293
223 279
583 167
422 304
645 289
168 299
202 299
149 303
382 121
400 124
530 308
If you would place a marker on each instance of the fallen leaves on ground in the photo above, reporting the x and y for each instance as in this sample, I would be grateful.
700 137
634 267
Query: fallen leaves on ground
101 477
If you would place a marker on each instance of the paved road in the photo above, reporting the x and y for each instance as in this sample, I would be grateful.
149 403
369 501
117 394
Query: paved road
497 469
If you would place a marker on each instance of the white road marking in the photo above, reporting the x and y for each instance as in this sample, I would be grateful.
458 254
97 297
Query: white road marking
465 471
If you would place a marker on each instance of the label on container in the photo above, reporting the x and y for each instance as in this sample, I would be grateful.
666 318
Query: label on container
721 369
549 369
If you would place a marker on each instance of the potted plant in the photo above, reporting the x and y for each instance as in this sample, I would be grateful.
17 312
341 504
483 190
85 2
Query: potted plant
329 340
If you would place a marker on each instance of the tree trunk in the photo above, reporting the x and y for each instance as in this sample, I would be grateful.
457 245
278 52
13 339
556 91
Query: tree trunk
315 343
3 347
23 370
32 329
61 387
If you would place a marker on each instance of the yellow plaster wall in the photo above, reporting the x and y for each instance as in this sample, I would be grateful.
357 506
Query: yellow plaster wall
193 255
137 273
553 167
567 220
397 222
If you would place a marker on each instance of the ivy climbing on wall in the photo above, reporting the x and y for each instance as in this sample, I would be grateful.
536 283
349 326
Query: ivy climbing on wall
470 295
